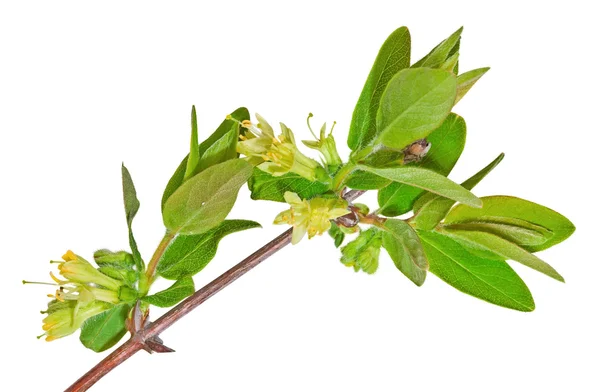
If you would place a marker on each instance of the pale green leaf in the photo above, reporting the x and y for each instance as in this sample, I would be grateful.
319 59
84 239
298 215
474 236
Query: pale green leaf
519 231
427 180
414 103
393 56
217 148
513 211
440 54
132 205
467 80
194 156
404 247
204 201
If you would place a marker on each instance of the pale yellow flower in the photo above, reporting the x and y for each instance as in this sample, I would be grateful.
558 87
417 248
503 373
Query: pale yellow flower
63 319
310 216
275 155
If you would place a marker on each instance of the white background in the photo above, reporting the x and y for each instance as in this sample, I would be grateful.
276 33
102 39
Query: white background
86 86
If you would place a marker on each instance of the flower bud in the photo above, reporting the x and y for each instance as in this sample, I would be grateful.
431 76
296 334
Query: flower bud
121 258
363 252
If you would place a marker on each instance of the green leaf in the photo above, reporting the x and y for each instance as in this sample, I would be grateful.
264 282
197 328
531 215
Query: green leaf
194 155
447 144
508 250
553 226
516 230
362 253
365 181
414 103
337 234
440 54
404 247
104 330
431 208
467 80
132 205
427 180
171 296
204 201
264 186
393 56
188 255
218 147
491 280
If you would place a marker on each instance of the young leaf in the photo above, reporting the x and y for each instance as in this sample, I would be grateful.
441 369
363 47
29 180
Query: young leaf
219 147
440 54
467 80
264 186
508 250
132 205
337 234
431 208
393 56
171 296
104 330
404 247
188 255
204 201
491 280
194 156
498 208
447 144
414 103
427 180
362 253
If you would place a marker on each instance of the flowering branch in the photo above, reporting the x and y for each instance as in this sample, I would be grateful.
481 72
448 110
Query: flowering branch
149 334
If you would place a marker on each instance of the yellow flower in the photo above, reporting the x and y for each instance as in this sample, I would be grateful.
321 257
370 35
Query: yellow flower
312 216
78 270
275 155
82 293
63 319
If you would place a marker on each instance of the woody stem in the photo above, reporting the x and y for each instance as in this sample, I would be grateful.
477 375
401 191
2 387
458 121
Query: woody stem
137 341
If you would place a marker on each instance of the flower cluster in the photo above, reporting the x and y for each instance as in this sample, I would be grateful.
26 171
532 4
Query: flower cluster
82 292
312 216
275 155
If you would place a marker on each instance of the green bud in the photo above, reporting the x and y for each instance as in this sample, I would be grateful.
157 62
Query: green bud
363 252
127 294
127 276
120 258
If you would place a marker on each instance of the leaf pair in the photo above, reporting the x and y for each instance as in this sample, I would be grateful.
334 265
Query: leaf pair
470 246
469 250
399 105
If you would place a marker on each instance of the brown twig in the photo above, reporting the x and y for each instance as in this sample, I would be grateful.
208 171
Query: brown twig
149 333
